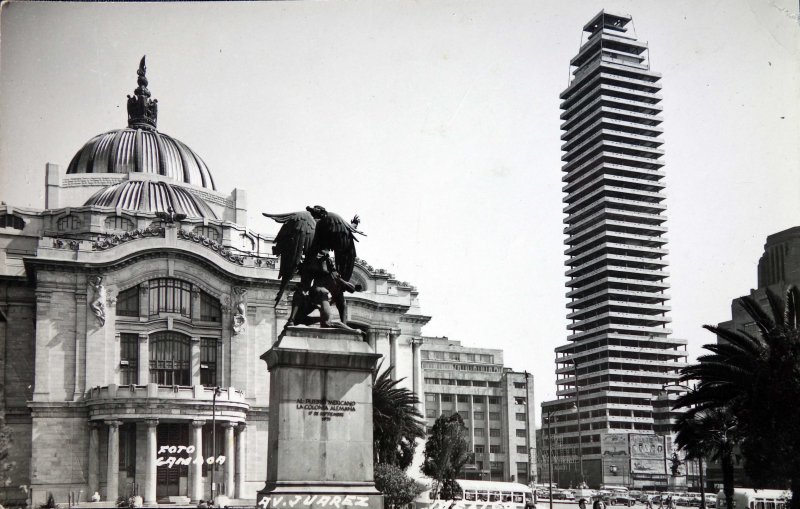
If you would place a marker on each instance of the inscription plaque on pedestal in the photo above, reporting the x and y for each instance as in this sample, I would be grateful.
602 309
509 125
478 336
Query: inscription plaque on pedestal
320 426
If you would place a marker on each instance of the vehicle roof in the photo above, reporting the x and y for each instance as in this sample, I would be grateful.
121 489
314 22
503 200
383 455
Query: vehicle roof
469 484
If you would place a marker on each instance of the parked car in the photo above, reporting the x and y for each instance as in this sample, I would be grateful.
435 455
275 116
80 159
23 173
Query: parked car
619 498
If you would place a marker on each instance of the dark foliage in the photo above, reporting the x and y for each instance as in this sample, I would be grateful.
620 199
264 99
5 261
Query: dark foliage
397 422
756 378
398 488
446 453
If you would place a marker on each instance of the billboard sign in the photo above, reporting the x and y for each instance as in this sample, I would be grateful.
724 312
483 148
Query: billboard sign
647 454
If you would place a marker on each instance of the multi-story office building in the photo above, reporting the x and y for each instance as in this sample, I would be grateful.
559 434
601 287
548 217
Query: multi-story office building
618 355
496 403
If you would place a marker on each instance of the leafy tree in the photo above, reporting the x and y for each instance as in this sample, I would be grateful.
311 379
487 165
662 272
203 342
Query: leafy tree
398 488
757 378
710 433
6 466
396 421
446 453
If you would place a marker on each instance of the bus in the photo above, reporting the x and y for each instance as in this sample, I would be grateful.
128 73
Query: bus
745 498
479 495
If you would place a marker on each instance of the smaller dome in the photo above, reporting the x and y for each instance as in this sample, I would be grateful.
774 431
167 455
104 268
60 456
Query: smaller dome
141 151
151 196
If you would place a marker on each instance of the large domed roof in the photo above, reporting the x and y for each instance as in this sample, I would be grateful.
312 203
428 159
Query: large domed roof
141 151
140 148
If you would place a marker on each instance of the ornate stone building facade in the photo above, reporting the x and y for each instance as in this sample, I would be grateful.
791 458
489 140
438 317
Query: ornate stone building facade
133 311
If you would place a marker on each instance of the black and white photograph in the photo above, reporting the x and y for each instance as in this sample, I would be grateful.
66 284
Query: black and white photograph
400 254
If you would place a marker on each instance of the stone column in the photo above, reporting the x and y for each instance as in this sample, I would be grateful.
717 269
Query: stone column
150 465
240 474
416 343
144 359
230 458
373 339
112 466
393 335
194 367
196 468
94 458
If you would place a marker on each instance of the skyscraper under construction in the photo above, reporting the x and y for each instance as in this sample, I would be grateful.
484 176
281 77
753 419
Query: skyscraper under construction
619 354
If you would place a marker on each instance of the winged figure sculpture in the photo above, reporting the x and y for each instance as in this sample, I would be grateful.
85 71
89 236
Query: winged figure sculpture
304 243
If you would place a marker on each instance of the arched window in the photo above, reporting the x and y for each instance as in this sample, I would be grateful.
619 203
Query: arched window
128 302
11 221
207 232
68 223
170 296
170 358
119 223
210 308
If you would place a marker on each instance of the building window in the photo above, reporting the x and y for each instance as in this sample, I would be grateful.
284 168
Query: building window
68 223
170 357
207 232
463 383
463 415
170 296
477 400
208 361
430 413
11 221
520 417
430 398
494 401
128 359
494 416
426 354
439 356
454 356
495 449
479 464
463 398
479 415
119 223
519 385
210 308
494 432
127 448
519 400
521 449
521 433
479 432
447 398
488 359
128 302
522 468
494 385
480 449
432 381
479 383
496 466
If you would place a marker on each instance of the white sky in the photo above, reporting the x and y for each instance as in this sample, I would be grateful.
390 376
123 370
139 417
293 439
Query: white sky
437 122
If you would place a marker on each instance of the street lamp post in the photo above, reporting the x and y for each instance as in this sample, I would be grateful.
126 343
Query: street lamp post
578 409
549 459
217 391
700 458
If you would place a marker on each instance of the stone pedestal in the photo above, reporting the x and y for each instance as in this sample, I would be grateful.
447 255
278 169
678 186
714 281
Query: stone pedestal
320 422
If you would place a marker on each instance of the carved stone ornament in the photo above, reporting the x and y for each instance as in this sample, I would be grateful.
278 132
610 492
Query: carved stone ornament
98 303
239 320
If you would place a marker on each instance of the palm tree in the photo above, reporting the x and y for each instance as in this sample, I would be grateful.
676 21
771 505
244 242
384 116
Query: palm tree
756 378
710 433
396 420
